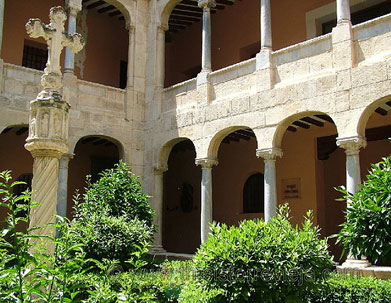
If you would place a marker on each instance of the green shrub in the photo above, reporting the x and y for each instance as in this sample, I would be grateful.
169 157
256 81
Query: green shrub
114 219
367 229
27 273
348 289
259 262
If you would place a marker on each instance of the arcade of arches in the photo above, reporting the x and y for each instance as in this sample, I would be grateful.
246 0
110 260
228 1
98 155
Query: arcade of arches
311 167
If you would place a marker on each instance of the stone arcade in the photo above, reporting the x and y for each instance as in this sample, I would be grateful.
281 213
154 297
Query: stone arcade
218 105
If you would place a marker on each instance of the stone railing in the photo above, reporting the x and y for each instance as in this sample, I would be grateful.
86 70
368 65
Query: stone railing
303 59
237 79
21 85
372 38
179 95
94 96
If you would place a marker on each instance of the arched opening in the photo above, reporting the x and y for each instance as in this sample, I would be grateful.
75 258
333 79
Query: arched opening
377 132
237 186
181 200
14 157
311 167
101 24
92 155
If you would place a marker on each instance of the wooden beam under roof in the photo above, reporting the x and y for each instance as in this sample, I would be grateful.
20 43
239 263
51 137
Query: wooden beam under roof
175 27
179 22
89 139
381 111
292 129
301 124
312 121
95 4
225 2
325 118
191 19
186 13
116 13
106 9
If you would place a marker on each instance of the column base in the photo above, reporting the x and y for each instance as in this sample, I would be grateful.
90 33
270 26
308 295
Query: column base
157 249
352 263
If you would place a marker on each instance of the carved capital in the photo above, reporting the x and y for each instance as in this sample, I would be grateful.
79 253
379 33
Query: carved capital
352 145
206 163
74 6
130 27
163 27
269 153
159 170
206 3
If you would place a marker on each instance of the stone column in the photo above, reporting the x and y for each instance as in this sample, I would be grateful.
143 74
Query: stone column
62 193
206 5
130 74
158 207
2 4
160 66
352 146
343 10
264 59
206 196
73 8
270 198
47 142
266 26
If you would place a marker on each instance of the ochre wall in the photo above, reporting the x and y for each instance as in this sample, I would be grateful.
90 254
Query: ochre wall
14 157
107 40
236 35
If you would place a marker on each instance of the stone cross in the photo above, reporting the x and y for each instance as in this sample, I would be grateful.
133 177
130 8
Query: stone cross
57 39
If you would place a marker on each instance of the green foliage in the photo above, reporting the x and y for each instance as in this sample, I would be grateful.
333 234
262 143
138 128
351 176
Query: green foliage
259 262
367 229
114 220
117 193
348 289
28 274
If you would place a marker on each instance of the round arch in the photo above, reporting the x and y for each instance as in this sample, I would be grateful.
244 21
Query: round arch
124 9
367 112
166 150
214 144
116 142
283 125
164 10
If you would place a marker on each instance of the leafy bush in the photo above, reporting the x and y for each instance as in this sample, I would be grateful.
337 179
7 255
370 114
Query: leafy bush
348 289
263 262
114 219
367 229
28 274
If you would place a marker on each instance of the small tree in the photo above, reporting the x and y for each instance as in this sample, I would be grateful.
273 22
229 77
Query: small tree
367 229
114 217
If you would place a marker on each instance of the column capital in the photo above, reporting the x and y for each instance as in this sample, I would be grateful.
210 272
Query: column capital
74 6
206 3
159 170
352 145
130 27
206 163
269 153
163 27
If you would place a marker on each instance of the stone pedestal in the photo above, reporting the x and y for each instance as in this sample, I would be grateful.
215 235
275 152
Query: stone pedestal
47 142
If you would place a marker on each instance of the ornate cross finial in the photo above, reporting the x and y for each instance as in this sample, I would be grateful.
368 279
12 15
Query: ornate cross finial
56 39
